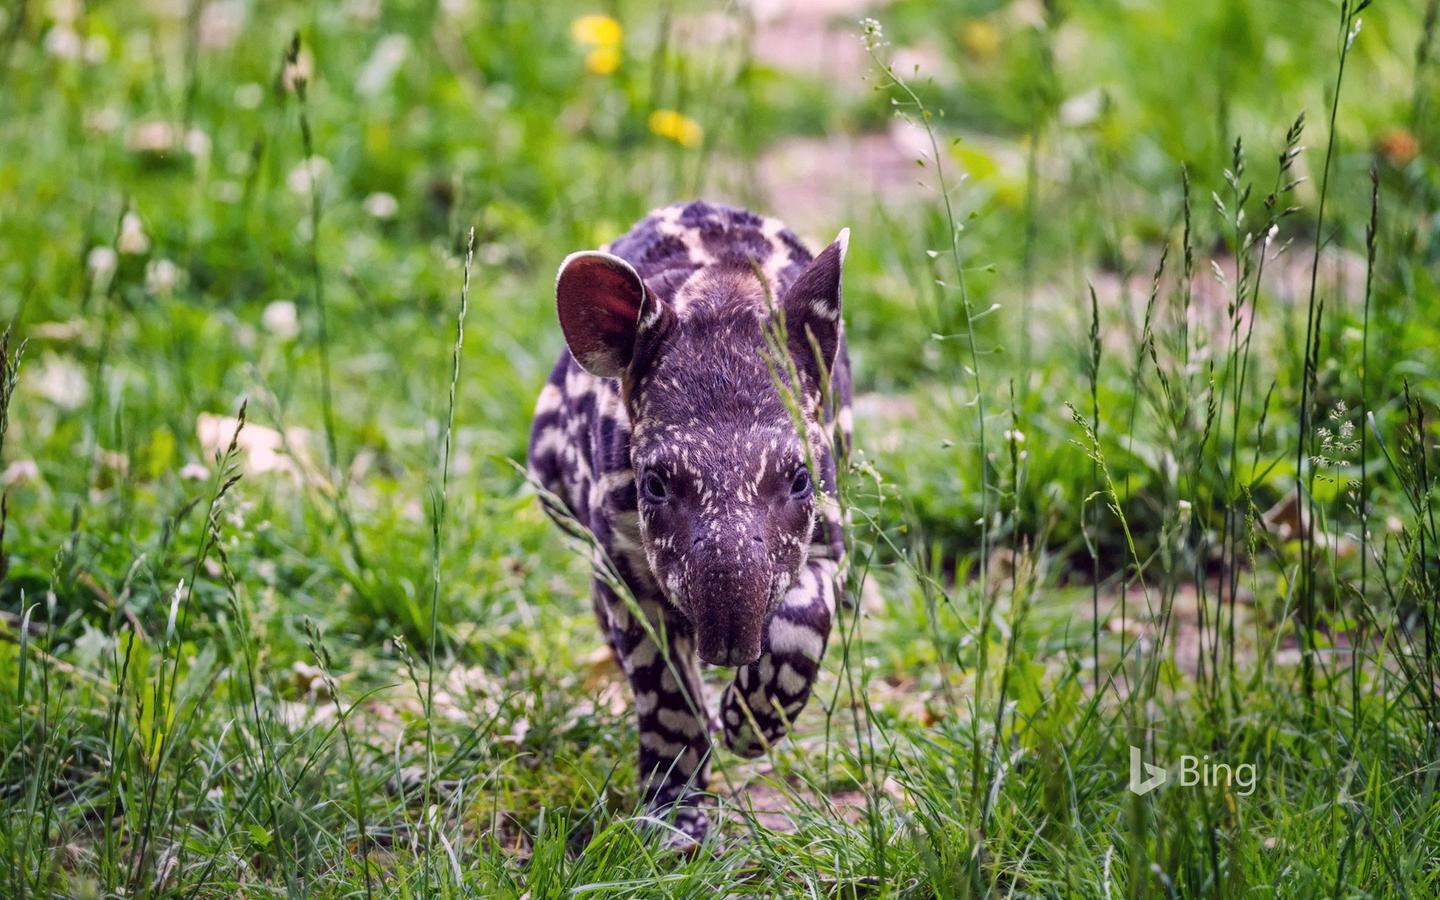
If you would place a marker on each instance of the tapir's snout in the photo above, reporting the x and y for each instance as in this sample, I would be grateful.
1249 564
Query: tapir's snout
728 604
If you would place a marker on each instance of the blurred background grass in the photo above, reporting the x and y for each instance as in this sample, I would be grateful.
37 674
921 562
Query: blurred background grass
169 246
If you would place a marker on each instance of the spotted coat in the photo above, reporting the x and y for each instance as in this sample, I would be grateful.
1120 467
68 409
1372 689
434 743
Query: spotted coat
729 546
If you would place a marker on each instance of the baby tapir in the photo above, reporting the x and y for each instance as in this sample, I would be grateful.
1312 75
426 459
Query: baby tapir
666 432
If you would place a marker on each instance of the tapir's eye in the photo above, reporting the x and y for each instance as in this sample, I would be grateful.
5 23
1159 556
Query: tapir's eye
652 486
800 486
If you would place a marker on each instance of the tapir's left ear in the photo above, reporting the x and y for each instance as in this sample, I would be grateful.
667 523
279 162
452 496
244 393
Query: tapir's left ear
812 309
604 310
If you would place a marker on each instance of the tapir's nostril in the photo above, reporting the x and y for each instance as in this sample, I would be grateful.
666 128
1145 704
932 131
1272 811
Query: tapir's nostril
696 542
729 656
757 539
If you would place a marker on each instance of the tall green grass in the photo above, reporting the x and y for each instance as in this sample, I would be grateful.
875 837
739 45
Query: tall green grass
1075 526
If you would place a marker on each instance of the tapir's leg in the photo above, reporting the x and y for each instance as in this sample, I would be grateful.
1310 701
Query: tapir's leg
772 690
670 706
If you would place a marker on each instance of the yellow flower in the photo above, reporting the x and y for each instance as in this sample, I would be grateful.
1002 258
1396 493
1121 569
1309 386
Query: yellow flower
680 128
602 60
981 39
596 31
600 37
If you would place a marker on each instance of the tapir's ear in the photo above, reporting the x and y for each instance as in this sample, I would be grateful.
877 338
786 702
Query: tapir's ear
603 307
812 308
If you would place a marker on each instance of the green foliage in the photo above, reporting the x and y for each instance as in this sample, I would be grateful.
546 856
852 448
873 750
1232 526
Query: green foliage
278 613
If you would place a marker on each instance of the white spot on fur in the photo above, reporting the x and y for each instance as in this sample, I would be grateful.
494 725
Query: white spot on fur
652 741
643 656
550 399
790 681
824 309
688 762
789 637
551 442
679 721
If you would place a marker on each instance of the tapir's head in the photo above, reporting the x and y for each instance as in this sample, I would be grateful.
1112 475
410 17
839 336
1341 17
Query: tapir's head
725 424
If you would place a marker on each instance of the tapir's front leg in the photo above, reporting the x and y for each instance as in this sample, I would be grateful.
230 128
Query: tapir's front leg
670 709
771 691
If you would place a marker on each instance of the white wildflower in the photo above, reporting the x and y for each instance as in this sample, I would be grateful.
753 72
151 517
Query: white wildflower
382 205
197 143
260 449
161 277
21 471
194 472
307 175
62 42
133 240
281 319
872 33
1082 109
61 381
221 23
101 262
151 136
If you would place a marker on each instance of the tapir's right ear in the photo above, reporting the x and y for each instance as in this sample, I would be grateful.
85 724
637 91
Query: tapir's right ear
604 308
